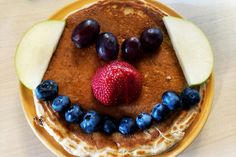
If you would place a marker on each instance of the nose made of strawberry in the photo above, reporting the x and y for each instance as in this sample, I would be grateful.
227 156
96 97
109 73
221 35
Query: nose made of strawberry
117 82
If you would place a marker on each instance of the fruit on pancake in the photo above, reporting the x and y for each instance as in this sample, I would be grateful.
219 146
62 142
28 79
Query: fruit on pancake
74 114
35 50
131 48
192 49
91 122
116 82
171 99
61 103
109 125
189 97
85 33
144 120
107 46
127 126
159 112
47 90
151 39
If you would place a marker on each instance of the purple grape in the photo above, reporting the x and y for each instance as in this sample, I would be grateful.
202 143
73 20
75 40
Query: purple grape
85 33
151 39
107 46
132 48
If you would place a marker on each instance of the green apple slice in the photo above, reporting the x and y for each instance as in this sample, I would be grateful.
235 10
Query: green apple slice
35 51
192 49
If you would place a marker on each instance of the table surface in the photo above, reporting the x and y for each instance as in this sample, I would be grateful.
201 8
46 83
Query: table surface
217 18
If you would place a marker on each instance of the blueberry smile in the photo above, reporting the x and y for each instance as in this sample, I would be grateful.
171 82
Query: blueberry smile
91 121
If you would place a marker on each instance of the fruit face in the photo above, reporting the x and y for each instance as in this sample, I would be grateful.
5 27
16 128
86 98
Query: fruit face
151 39
47 90
127 126
192 49
35 50
61 103
171 100
91 122
85 33
117 82
189 97
107 46
144 121
74 114
160 112
131 49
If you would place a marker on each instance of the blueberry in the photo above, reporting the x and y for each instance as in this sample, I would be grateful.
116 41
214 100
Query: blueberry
47 90
159 112
189 97
91 122
151 39
131 48
85 33
107 46
109 125
74 114
144 120
127 126
172 100
61 103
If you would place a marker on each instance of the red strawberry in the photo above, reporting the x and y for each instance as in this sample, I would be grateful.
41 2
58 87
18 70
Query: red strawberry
117 82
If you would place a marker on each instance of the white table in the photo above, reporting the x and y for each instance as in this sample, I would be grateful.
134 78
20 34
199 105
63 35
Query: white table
217 18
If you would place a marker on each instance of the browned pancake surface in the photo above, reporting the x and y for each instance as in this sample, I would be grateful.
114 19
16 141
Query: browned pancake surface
73 68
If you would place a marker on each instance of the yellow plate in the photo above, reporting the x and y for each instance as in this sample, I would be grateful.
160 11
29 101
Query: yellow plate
27 103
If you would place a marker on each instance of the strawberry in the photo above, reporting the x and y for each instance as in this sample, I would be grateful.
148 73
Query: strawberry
116 82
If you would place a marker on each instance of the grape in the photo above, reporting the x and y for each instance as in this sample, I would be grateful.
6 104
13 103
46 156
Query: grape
151 39
85 33
132 48
107 46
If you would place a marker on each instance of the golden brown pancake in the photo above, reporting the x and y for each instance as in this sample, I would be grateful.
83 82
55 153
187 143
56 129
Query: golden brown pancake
73 69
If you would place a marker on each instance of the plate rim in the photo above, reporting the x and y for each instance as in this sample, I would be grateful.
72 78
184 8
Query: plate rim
58 150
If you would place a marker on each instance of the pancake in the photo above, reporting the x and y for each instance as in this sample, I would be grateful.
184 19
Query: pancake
73 69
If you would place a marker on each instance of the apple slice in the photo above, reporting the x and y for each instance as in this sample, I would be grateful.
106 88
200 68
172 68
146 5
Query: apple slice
35 51
192 49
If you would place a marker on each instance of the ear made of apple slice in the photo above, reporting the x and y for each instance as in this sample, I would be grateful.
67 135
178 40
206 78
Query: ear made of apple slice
35 50
192 49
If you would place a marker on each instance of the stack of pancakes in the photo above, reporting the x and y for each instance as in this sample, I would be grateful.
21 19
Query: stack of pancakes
73 69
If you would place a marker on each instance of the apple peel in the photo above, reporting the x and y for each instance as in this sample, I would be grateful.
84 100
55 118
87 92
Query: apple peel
35 50
192 49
